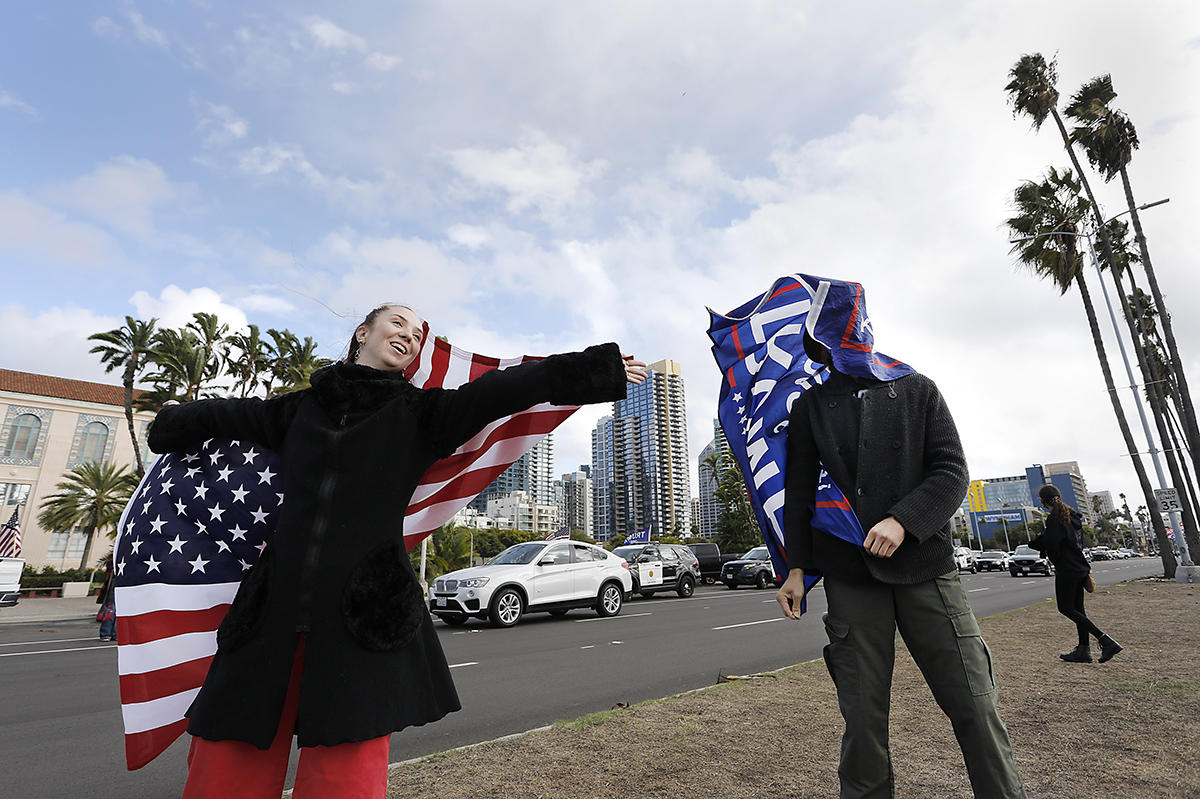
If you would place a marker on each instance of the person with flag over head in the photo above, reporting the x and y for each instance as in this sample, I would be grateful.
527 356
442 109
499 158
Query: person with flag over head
882 433
328 638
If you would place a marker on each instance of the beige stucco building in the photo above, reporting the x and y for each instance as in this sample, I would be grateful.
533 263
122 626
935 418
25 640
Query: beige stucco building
49 425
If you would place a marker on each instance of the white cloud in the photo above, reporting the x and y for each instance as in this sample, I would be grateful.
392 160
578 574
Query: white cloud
538 173
7 100
329 36
383 63
344 87
29 230
145 33
124 193
106 28
174 306
219 124
54 341
268 303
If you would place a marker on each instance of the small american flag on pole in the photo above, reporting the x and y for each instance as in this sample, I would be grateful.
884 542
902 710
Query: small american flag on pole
200 519
10 536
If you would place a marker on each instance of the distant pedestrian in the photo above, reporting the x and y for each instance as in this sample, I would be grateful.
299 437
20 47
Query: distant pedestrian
1061 542
107 600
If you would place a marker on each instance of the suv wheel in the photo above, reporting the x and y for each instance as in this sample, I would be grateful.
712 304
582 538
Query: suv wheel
687 586
609 601
454 619
762 580
507 607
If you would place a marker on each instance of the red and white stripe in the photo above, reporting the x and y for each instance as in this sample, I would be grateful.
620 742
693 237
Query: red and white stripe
166 634
10 537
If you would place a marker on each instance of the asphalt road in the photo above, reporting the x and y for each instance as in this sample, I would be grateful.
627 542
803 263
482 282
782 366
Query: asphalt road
60 722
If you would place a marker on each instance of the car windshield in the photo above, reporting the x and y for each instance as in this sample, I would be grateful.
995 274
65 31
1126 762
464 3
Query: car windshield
991 555
1024 550
758 553
518 554
628 553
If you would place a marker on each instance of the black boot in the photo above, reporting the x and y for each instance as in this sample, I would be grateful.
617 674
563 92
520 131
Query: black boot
1080 654
1108 648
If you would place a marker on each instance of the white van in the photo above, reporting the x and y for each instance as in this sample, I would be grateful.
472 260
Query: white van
10 580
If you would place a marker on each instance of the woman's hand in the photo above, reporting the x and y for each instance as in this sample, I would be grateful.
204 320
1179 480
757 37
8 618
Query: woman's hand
635 371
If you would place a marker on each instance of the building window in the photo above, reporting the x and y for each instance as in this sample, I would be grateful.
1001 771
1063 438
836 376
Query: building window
68 544
23 437
93 442
13 494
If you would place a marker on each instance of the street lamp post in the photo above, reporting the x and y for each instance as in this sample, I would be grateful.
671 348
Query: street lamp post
1185 556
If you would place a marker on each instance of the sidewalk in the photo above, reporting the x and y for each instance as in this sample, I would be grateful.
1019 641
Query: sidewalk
50 609
1125 729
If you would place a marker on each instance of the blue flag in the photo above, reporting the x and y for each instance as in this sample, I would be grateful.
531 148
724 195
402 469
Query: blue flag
759 348
640 537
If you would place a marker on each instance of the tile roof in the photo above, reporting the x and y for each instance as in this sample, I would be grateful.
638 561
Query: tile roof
62 388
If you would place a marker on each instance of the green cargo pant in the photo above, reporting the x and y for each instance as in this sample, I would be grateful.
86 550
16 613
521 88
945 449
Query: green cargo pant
944 639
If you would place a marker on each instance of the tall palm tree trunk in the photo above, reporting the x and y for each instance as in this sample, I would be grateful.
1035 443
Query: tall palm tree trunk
1187 410
130 371
1160 532
1154 393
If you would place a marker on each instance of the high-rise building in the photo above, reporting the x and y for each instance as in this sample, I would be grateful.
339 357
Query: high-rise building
1105 504
531 473
1069 481
573 492
640 474
709 508
523 513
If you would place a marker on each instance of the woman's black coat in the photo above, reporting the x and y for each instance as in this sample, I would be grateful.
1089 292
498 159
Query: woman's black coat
353 448
1063 545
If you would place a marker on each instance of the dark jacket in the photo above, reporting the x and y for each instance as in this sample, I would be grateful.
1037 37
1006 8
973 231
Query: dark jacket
1063 546
905 461
353 449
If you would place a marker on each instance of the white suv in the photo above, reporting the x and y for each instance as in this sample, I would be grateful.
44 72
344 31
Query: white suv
549 576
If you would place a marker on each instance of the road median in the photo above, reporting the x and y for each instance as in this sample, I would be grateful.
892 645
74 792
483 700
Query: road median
1126 728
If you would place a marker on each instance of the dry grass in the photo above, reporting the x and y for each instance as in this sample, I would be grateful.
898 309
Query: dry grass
1127 728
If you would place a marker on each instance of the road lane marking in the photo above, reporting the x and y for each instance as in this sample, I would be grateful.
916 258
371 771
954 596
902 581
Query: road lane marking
973 590
589 646
52 651
468 663
748 623
51 641
1029 582
610 618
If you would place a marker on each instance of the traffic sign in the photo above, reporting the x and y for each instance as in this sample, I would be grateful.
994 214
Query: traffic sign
1168 499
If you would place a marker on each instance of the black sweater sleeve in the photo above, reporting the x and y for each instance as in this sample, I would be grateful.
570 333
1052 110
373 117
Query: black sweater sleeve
803 469
264 422
453 416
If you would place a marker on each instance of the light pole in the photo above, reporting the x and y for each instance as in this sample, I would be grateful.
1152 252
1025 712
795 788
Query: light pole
1185 556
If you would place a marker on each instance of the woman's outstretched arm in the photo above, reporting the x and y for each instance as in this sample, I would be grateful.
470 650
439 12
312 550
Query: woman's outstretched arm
178 427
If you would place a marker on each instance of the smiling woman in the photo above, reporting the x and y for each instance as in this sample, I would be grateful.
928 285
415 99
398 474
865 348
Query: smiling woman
389 338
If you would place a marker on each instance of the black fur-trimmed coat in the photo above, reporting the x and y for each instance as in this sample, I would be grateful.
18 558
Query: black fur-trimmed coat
353 448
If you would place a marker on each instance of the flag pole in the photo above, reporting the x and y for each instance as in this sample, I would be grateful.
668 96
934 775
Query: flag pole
424 549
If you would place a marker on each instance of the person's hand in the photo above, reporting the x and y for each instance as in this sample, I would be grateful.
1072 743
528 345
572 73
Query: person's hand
790 594
169 403
635 371
884 538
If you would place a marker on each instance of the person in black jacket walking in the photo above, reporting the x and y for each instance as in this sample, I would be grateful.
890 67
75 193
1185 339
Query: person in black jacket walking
328 637
887 439
1061 543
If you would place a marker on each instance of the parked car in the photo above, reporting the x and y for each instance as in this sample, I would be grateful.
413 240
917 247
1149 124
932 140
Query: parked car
10 580
536 576
753 568
992 560
709 556
964 559
1027 560
661 567
1101 553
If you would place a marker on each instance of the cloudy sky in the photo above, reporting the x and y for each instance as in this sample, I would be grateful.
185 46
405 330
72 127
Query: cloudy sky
537 176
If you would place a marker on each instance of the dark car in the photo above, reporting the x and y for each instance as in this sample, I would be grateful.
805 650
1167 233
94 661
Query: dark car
710 559
661 567
1027 560
753 568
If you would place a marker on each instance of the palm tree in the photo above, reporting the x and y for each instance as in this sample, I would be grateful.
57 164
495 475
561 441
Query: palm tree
251 361
1109 138
127 347
91 496
1049 216
291 362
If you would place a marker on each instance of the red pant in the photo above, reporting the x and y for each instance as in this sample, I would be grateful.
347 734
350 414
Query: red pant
238 770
